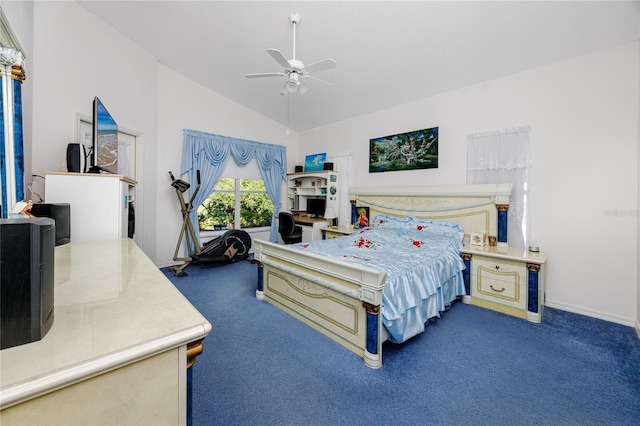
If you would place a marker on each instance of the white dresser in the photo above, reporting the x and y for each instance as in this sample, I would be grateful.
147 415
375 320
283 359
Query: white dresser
118 350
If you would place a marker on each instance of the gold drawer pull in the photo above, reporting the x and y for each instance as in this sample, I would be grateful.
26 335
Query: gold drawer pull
496 290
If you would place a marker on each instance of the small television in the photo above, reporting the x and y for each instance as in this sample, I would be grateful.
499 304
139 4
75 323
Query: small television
104 154
316 207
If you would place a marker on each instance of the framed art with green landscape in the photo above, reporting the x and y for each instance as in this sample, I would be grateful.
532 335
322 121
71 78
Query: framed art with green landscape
404 151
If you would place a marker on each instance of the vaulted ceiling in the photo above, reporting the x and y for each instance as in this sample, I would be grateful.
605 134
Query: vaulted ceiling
388 53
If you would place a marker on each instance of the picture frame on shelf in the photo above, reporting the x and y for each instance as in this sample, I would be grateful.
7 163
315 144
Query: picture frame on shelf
362 217
476 239
315 162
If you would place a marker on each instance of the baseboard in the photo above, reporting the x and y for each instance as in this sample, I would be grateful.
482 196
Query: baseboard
638 329
629 322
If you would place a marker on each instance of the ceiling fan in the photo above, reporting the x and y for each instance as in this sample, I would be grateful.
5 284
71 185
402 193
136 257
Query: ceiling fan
294 69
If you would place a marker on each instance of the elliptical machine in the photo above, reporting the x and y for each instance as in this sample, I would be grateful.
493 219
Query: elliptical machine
230 247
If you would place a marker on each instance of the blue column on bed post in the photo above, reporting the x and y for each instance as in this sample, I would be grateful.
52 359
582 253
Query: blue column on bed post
502 222
373 312
259 292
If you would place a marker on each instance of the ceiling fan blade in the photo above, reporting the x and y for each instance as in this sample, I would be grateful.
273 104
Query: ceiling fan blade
323 65
317 79
265 74
278 56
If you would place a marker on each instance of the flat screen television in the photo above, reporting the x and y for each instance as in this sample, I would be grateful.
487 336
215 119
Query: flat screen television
104 154
316 207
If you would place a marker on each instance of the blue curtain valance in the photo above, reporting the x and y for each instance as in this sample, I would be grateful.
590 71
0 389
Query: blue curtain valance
209 154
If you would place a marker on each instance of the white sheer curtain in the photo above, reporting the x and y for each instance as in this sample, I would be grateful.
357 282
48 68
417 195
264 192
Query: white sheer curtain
504 156
343 164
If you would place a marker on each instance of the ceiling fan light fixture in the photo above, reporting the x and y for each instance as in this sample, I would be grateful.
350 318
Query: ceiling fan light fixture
292 83
294 69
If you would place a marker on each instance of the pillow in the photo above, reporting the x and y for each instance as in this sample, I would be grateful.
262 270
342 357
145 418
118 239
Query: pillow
438 226
385 221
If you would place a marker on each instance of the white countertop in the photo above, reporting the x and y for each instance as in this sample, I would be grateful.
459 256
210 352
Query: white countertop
511 253
113 306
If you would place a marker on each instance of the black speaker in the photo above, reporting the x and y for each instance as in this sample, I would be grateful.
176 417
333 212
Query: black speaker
27 262
328 166
298 169
61 213
76 158
131 228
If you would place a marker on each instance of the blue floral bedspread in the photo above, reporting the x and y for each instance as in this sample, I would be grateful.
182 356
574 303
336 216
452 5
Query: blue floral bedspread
423 265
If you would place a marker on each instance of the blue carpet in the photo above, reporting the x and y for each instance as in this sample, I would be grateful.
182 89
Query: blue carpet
473 366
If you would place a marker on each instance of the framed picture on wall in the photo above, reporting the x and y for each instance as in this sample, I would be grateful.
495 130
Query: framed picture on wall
315 162
404 151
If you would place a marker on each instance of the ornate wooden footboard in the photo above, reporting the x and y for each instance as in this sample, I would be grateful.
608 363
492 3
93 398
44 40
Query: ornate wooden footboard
342 300
339 299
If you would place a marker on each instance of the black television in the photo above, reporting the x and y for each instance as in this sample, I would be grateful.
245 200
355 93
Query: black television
104 153
316 207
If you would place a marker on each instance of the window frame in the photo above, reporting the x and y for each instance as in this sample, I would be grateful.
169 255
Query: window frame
238 192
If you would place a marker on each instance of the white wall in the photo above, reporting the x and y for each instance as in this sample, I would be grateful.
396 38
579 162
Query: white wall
76 57
638 205
584 118
184 104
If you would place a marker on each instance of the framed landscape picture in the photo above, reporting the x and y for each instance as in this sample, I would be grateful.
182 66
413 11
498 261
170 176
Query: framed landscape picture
315 162
404 151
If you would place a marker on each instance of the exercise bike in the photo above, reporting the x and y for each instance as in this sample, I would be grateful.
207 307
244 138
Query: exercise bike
230 247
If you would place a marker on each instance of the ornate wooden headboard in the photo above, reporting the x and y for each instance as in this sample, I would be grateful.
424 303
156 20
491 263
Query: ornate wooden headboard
478 208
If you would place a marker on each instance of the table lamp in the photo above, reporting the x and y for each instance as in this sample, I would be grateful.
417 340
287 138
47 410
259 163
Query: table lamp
330 215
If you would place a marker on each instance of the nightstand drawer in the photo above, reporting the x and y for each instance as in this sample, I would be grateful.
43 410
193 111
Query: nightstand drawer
500 266
502 282
331 235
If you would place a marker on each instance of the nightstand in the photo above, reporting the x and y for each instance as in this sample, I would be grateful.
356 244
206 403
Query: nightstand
336 231
506 280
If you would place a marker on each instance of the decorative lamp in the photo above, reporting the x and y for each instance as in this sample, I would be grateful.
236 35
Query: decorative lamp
330 215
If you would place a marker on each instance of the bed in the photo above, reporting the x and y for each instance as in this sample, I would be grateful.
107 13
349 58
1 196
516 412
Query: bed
345 292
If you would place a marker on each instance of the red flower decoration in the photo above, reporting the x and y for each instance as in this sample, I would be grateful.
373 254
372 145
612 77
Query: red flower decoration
305 245
417 243
363 242
419 227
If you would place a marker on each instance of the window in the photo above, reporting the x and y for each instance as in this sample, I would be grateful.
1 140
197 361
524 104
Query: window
504 156
236 201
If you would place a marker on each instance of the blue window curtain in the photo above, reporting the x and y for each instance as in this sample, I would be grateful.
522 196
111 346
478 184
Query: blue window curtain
209 153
